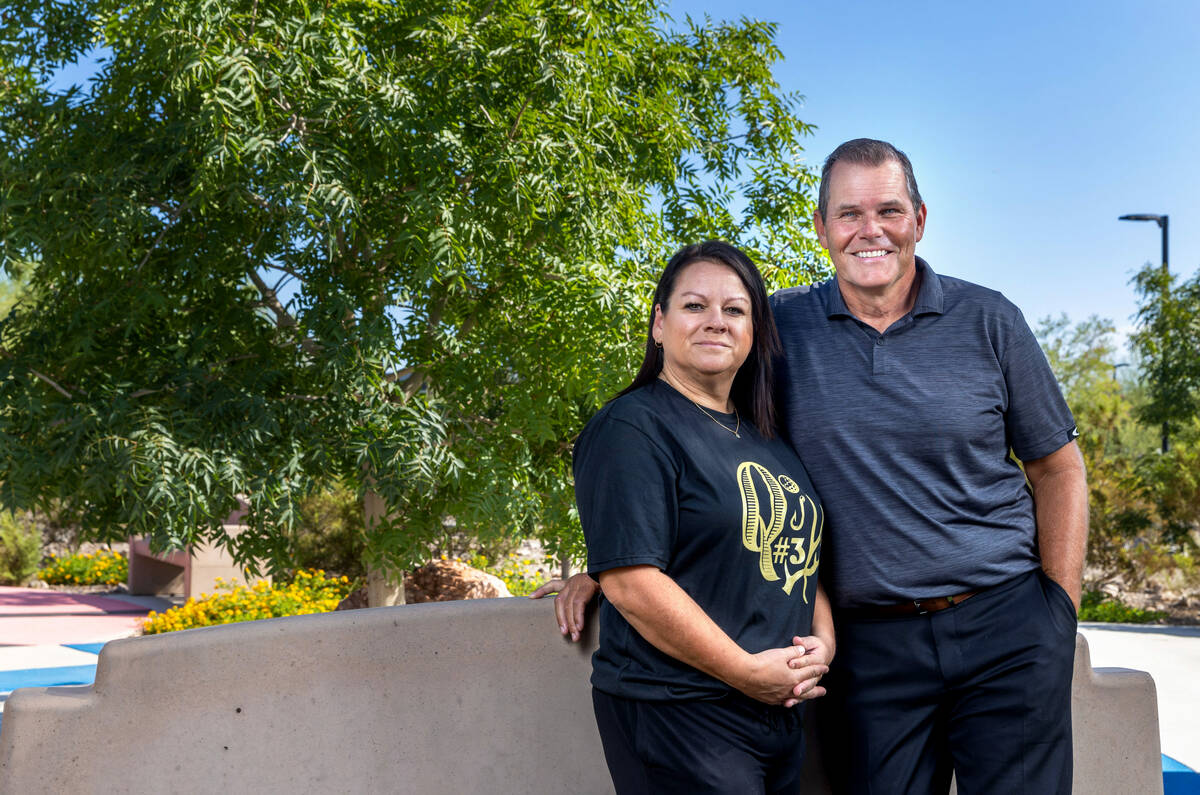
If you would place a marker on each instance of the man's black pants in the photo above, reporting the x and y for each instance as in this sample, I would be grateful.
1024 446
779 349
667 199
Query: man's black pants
981 689
732 745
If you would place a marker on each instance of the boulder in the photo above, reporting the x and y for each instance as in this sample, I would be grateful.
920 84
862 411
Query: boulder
449 581
354 600
439 581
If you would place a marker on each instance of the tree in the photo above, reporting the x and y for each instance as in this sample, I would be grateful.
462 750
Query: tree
405 246
1083 358
1168 340
1171 484
1143 504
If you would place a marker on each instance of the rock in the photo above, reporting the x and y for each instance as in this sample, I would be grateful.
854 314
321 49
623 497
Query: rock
355 600
439 581
450 580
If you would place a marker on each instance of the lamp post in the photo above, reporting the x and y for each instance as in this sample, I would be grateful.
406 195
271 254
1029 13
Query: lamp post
1161 220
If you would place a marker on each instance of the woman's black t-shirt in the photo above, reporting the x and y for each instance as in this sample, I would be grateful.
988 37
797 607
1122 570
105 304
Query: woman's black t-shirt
734 521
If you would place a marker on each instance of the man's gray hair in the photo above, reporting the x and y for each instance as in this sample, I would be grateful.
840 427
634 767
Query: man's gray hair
867 152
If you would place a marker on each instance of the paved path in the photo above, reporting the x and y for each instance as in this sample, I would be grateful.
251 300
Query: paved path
50 638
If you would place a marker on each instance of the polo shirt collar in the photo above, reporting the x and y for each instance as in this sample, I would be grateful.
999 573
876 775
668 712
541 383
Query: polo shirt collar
929 294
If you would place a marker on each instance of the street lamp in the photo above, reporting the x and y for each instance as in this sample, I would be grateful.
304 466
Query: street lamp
1161 220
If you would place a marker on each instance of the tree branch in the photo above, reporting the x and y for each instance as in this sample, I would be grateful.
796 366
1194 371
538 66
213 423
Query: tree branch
50 381
416 379
287 270
47 379
512 132
283 318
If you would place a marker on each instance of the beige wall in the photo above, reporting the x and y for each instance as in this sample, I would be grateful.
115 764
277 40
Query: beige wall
479 697
190 572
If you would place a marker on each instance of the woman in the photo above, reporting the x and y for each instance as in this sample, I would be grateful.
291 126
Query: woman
704 532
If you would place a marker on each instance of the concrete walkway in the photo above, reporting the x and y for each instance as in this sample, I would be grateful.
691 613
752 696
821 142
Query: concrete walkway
50 638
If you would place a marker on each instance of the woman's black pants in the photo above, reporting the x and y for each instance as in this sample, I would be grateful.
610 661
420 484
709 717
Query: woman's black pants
728 745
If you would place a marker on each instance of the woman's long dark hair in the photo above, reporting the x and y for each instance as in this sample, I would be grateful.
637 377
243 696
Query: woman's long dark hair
753 385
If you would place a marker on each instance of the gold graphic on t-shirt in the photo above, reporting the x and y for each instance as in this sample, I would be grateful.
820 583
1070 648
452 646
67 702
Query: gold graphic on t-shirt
763 531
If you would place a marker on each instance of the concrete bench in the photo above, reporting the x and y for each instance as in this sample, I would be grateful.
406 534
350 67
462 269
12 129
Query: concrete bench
479 696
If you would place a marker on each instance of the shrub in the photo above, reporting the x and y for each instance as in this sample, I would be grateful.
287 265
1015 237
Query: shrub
1099 606
20 549
521 577
102 567
308 592
330 533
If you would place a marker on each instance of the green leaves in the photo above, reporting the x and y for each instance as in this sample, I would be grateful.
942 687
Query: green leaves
1143 505
1168 340
406 246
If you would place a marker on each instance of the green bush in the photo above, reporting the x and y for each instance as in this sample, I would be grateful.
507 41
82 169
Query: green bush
521 577
20 549
1099 606
330 534
102 567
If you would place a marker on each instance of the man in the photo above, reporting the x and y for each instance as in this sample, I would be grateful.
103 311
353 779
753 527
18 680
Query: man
954 576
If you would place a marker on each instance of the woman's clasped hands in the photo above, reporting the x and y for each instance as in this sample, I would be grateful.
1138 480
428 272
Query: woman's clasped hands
786 675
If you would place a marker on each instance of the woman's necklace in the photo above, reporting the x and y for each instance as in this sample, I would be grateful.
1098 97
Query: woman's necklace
733 430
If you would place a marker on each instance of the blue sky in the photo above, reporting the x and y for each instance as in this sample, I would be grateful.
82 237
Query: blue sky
1031 127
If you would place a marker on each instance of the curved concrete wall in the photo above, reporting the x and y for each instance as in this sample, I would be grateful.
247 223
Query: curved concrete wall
479 696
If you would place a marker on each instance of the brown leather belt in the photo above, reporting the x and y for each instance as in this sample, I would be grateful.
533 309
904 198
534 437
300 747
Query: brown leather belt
917 607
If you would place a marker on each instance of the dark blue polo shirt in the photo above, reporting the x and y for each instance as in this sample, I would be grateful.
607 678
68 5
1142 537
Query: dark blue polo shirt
906 436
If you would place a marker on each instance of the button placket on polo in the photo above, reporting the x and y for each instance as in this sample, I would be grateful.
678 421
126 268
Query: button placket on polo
880 355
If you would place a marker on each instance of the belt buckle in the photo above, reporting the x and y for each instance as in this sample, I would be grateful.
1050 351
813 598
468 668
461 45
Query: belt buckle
921 611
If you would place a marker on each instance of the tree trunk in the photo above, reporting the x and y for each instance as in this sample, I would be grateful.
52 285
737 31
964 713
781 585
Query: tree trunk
385 586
